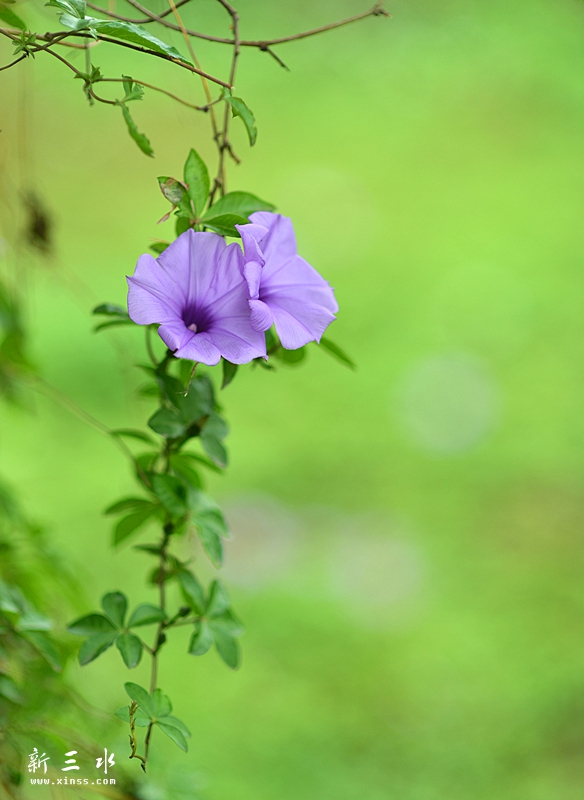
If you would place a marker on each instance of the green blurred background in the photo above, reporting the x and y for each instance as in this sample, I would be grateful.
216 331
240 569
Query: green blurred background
408 550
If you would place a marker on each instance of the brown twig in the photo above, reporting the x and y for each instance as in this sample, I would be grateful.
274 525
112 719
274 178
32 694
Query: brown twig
225 146
55 39
145 21
262 44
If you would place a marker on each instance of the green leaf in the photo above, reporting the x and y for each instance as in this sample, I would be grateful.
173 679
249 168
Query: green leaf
10 18
129 504
141 697
76 8
131 649
127 525
193 591
210 540
111 310
161 704
291 357
239 109
228 623
136 34
158 247
337 352
31 620
167 422
214 431
114 323
182 224
133 434
229 371
140 718
141 140
241 203
173 722
196 178
146 614
133 90
201 640
115 605
10 691
42 643
184 471
171 493
174 734
225 224
95 646
199 459
218 599
90 625
227 646
172 189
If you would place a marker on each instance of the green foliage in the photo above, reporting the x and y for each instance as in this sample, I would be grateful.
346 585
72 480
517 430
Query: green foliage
8 16
241 204
156 710
240 109
141 139
198 183
335 351
218 625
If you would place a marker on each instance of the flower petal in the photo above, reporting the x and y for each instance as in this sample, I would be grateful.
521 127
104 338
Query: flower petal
253 272
299 323
251 236
175 334
239 350
280 239
200 348
295 277
150 294
191 263
261 316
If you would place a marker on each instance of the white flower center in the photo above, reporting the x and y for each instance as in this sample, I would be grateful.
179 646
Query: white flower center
193 327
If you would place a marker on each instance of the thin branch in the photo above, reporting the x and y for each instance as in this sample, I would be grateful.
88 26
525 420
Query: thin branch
158 89
16 60
55 38
376 11
263 44
135 21
220 181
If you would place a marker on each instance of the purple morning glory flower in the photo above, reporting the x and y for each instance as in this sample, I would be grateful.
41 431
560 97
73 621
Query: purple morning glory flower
196 291
284 289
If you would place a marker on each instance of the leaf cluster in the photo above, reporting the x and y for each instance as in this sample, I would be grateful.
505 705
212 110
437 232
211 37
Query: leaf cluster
193 204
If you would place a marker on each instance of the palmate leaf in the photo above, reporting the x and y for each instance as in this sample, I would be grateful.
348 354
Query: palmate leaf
146 614
227 645
218 599
201 640
115 605
90 625
95 646
173 733
127 525
141 696
192 589
130 648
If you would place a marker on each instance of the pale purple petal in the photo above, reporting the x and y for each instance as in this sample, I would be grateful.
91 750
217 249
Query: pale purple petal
175 334
200 348
251 236
280 240
301 303
261 315
252 272
196 291
236 349
313 319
